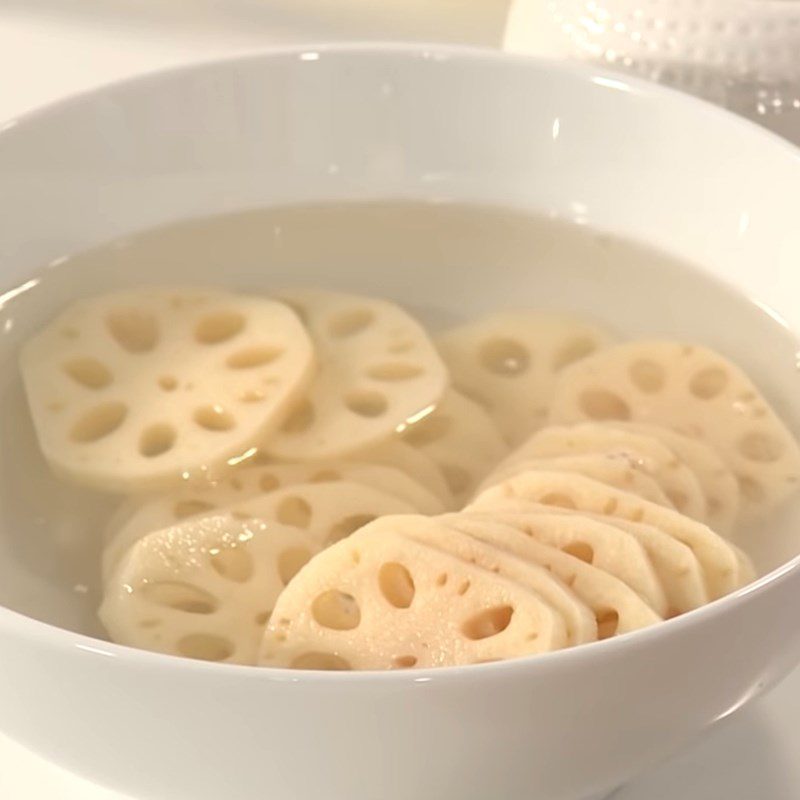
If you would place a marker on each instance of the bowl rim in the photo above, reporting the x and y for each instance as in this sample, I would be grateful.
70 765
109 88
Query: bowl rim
15 624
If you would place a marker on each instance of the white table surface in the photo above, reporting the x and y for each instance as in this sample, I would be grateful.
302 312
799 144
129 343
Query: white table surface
52 48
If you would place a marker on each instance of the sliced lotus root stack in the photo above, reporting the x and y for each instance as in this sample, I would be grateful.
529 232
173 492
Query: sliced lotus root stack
645 453
676 565
606 547
461 439
129 391
720 564
443 534
719 485
203 588
379 600
617 608
610 468
326 511
696 392
377 370
509 361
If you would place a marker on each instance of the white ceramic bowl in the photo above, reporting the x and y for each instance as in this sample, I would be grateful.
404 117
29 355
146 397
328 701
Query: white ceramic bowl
422 123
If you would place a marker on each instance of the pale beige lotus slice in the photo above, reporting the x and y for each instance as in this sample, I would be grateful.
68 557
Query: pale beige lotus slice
718 483
611 468
443 534
697 392
395 453
675 564
377 370
203 588
326 511
379 601
568 490
645 453
509 361
677 567
606 547
129 391
461 439
617 608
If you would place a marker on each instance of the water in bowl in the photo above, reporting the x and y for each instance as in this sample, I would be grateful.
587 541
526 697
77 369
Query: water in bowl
447 263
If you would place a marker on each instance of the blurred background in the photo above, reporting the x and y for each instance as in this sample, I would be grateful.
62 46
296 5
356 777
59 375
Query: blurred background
742 54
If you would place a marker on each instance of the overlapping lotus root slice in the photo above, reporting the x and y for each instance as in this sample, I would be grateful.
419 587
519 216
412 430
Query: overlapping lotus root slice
697 392
720 564
606 547
718 483
509 361
383 601
611 468
129 391
617 608
642 452
461 439
377 369
443 533
203 588
326 511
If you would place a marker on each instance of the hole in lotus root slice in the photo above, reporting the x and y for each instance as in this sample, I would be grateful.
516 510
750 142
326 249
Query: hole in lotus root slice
233 563
214 418
157 439
321 661
607 624
580 550
219 326
503 356
347 526
396 584
394 371
294 510
89 373
254 356
133 329
349 323
100 421
206 647
488 623
336 610
291 561
602 404
179 596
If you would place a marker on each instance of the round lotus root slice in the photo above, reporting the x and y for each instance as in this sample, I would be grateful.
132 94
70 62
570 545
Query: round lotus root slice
720 489
610 468
645 453
377 370
326 511
694 391
380 600
132 390
203 588
719 562
395 453
617 608
676 565
606 547
509 361
579 619
461 439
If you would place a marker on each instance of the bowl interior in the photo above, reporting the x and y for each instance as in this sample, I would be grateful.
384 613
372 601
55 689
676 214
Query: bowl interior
451 181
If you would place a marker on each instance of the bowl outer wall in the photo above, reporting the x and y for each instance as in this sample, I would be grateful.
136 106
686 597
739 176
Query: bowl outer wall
420 123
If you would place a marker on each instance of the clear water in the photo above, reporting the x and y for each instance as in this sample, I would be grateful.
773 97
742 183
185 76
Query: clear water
446 263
